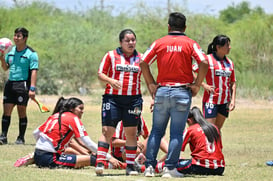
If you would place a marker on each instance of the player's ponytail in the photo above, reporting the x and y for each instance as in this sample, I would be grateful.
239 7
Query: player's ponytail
210 48
209 130
59 105
220 40
66 105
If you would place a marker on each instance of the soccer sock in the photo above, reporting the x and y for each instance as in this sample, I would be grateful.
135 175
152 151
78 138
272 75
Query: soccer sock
22 127
159 167
102 151
130 155
142 169
5 125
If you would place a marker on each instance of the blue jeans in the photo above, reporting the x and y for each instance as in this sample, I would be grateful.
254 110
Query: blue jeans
171 103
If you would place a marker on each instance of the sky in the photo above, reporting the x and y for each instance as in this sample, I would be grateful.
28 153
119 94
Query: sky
211 7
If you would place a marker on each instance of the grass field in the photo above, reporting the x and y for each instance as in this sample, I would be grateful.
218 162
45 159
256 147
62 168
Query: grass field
247 141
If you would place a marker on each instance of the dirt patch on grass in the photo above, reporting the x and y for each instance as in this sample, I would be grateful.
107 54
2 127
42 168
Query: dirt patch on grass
197 101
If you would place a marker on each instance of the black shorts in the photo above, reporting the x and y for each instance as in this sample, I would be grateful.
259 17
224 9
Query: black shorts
117 107
185 166
16 92
211 110
53 160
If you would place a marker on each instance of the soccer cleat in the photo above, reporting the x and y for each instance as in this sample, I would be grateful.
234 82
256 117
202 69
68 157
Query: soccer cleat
269 163
99 169
149 171
20 141
3 140
171 173
25 161
131 170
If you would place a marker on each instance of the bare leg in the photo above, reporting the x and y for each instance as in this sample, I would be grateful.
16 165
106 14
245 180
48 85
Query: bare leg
211 120
107 133
220 119
131 139
82 161
76 149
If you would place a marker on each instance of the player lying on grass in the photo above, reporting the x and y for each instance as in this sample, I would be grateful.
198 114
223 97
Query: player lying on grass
56 134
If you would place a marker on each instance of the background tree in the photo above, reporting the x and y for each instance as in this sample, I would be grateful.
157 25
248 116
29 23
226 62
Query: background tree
234 12
71 44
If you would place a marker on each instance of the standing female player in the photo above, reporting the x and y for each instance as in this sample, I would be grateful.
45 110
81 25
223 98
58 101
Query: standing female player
56 133
220 86
122 100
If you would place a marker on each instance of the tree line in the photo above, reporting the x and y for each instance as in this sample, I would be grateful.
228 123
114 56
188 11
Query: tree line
71 44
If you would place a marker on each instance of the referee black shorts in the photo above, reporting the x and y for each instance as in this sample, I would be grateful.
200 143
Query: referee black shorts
16 92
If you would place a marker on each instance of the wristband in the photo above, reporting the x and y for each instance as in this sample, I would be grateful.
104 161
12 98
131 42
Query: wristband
32 88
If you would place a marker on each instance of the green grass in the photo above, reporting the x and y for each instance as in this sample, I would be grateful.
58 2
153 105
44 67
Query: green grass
247 141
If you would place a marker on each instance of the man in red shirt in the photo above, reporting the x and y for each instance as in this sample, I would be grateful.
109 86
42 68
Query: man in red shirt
173 90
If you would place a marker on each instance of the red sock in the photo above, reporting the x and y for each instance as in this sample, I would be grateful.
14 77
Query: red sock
159 167
130 154
101 152
142 168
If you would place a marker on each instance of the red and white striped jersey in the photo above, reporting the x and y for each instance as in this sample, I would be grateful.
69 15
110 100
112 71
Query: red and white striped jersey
120 134
126 70
174 53
71 126
220 75
205 154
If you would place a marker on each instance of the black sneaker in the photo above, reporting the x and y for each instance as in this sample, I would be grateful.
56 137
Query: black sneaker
20 141
131 170
3 140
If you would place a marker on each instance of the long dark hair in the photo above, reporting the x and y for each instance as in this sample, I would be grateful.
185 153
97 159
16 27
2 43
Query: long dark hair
220 40
58 105
210 131
65 105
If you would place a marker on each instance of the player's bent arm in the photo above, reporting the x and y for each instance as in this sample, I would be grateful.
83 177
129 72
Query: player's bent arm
4 65
118 142
148 77
36 134
104 78
203 69
91 145
107 80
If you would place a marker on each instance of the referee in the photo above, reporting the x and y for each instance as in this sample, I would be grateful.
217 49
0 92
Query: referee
22 62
